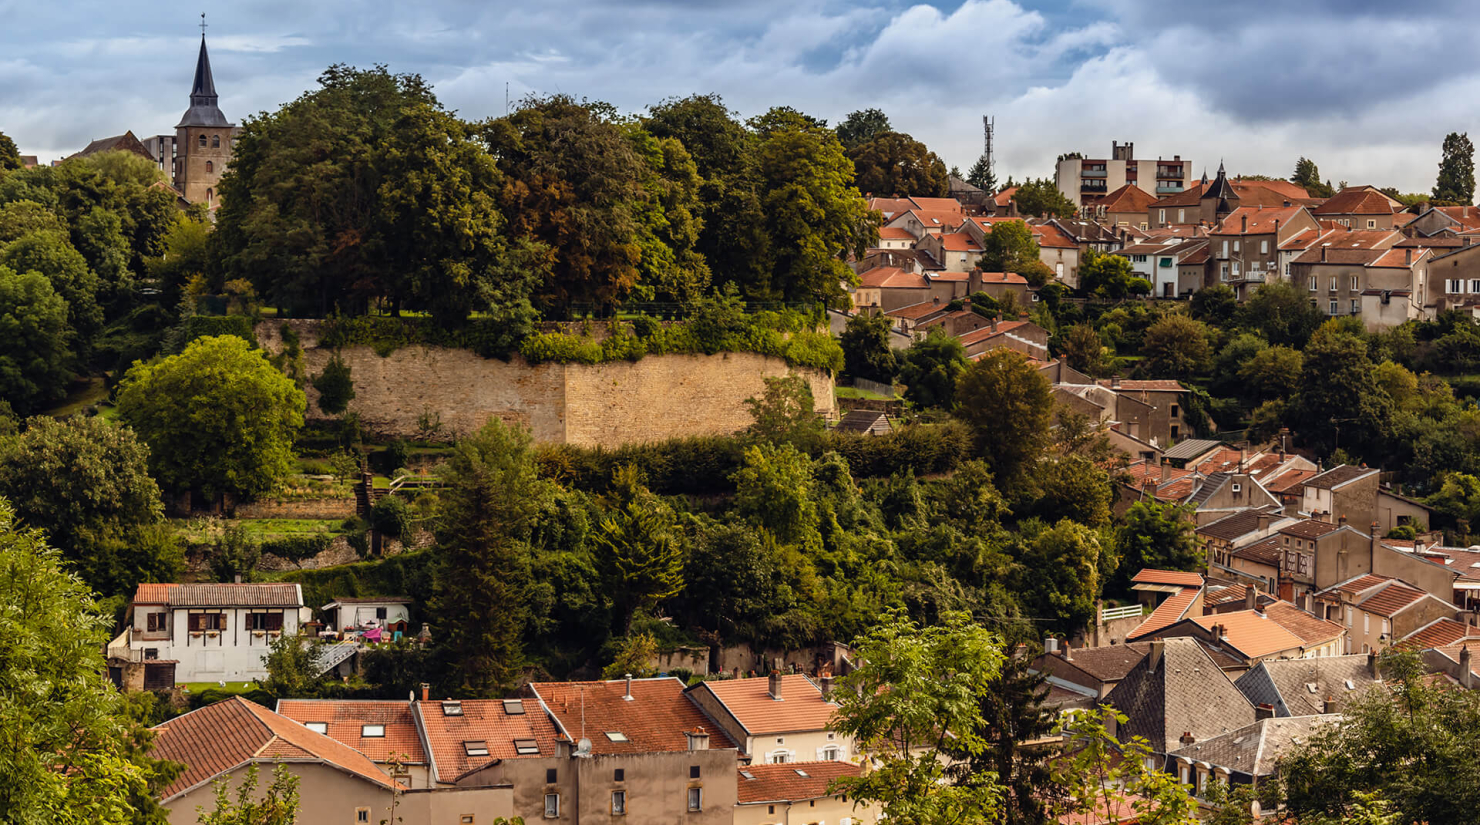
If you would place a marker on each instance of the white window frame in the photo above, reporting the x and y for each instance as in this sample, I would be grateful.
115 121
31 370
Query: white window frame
787 757
1371 224
318 727
372 731
1161 216
1225 249
1236 246
362 814
1355 285
1366 623
555 799
695 798
1264 247
1181 216
1333 308
1474 285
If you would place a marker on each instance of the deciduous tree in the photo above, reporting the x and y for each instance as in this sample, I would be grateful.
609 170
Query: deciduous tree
866 352
893 164
1008 404
218 417
1042 198
1159 536
1282 313
10 157
862 126
1176 347
1009 247
35 341
931 369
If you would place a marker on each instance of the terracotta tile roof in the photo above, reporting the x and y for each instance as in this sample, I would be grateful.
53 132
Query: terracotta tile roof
1226 594
891 206
1002 198
1290 482
1467 216
801 707
224 735
1338 475
1220 460
1266 551
892 277
959 242
1252 632
933 219
1309 529
916 311
481 720
655 720
1117 811
1003 327
1357 585
791 782
1172 610
952 277
1260 221
1128 198
1398 259
1283 187
1309 629
220 595
345 720
1357 200
936 204
1051 237
1179 488
1144 473
1149 385
1003 278
1349 248
1438 633
1199 256
1108 664
1392 599
894 233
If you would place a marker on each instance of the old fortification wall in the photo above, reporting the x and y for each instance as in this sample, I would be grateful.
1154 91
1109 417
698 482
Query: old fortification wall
657 397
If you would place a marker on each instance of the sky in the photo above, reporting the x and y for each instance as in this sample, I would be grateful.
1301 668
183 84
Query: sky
1367 89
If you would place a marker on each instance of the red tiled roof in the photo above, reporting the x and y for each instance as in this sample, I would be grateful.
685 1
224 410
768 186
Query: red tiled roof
786 783
1308 628
1128 198
1152 576
481 720
959 242
1392 599
1357 585
948 276
1052 237
749 701
1002 198
1150 385
1252 632
220 595
933 219
1223 458
894 233
1355 247
915 311
979 335
892 277
891 206
937 204
345 720
1286 482
1398 259
1439 633
1357 200
224 735
1143 472
1260 221
656 718
1003 278
1169 612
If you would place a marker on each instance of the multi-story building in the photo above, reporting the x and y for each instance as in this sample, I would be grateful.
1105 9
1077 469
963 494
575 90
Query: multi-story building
1362 273
1207 203
1359 207
776 719
213 632
1085 181
162 148
202 139
1378 610
1246 244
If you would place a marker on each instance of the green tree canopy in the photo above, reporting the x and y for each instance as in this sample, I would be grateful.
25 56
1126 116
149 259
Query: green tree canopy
35 341
1282 313
1308 177
1009 247
53 255
72 752
1176 347
1216 304
1340 403
1042 199
86 483
981 176
931 368
866 352
218 417
10 157
1272 373
1159 536
774 490
1008 404
1110 276
336 386
636 547
1456 181
894 164
1083 349
861 127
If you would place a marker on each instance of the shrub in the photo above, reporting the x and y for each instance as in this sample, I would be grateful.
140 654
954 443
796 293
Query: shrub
336 387
296 548
200 326
391 517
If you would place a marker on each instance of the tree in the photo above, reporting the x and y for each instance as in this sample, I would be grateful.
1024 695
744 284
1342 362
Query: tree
294 667
1176 347
218 417
812 214
931 368
1215 304
894 164
1339 404
1272 373
982 176
1008 405
1084 350
1308 177
915 697
862 126
484 519
786 411
1159 536
1282 313
1009 247
641 560
336 387
774 490
10 157
1456 181
72 752
1042 198
1338 771
53 256
634 658
35 351
866 352
1110 276
278 805
86 483
1102 774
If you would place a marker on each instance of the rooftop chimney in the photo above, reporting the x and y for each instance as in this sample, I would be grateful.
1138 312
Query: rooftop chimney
1244 223
1153 659
426 691
1115 381
1407 255
1372 665
237 579
1187 738
1264 711
1050 645
1251 596
628 695
1166 471
698 739
1341 520
775 686
995 319
1466 676
1328 706
825 684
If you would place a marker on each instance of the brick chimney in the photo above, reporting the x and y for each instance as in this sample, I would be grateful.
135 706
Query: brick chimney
1323 254
1166 471
1264 711
698 739
1407 256
995 319
1251 596
774 690
426 691
1373 666
1328 706
825 684
1187 738
1341 520
1244 223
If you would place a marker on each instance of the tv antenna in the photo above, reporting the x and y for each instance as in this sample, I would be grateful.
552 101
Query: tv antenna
989 127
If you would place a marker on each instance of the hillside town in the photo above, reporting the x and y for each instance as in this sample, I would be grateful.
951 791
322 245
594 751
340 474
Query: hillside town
364 463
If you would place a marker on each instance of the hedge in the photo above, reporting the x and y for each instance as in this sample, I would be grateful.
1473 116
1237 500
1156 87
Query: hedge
198 326
702 465
297 548
408 574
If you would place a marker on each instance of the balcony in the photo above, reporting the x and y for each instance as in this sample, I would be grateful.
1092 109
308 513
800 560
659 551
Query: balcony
1092 173
1170 172
1169 188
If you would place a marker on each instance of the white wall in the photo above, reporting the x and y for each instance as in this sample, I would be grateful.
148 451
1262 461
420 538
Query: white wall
233 654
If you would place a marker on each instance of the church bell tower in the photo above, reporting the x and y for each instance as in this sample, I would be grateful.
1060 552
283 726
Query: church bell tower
202 138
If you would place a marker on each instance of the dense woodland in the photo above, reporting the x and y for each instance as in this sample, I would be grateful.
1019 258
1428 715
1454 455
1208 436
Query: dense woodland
130 375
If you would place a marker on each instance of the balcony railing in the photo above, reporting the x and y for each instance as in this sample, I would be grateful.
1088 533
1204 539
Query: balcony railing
1110 614
1169 189
1091 173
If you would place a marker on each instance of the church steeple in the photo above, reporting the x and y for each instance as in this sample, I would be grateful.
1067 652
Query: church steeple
203 110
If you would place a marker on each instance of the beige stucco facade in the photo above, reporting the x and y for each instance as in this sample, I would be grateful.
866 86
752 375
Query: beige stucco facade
828 810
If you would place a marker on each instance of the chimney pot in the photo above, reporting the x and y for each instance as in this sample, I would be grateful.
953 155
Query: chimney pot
825 684
1188 738
1051 645
1341 520
426 691
237 579
775 686
698 739
1407 255
628 695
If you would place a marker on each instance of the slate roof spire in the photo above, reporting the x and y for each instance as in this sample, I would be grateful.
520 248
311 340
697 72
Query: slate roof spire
203 110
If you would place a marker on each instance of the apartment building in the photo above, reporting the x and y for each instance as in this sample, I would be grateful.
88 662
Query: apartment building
1245 245
1086 181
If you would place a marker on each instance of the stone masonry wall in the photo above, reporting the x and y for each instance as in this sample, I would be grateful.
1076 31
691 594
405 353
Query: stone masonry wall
655 398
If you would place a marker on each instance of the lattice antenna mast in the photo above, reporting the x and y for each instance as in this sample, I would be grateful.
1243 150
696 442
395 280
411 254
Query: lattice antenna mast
988 128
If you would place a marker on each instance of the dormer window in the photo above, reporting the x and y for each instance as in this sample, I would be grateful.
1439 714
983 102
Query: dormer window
526 747
453 708
514 707
476 748
372 731
317 727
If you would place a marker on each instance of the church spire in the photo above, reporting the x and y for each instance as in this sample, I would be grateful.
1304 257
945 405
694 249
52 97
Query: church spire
203 110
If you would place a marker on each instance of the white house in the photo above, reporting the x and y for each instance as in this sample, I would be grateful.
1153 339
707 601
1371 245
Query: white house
385 612
214 632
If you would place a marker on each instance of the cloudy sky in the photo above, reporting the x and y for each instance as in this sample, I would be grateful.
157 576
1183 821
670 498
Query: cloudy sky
1366 88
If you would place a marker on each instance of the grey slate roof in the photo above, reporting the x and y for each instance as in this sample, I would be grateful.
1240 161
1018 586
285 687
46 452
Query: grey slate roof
1185 692
1239 524
1299 687
1209 486
1337 476
1253 750
1191 448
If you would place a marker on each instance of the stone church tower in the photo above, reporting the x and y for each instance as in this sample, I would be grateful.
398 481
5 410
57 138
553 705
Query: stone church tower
202 139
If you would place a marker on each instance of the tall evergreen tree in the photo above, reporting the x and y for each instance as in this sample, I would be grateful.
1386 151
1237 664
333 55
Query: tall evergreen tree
1456 170
10 157
1308 177
982 176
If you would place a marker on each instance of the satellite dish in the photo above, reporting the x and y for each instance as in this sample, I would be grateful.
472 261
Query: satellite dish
583 747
